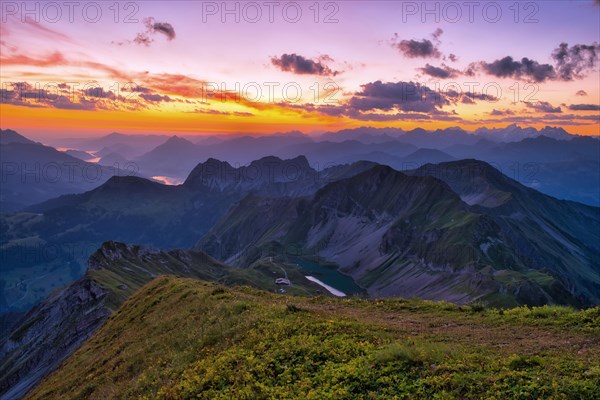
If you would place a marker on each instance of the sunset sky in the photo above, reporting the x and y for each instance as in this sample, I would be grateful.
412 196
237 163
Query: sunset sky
191 68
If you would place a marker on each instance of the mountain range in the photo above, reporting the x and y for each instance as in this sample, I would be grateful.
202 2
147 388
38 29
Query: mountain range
472 234
32 173
538 249
550 160
371 217
55 238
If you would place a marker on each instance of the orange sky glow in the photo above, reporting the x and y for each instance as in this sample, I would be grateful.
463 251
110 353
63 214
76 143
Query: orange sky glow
192 73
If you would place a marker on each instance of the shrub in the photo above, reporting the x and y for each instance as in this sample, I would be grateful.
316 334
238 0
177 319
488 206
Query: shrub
519 362
477 306
291 308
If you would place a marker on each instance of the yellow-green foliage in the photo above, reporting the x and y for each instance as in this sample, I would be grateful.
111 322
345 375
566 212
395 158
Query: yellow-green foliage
186 339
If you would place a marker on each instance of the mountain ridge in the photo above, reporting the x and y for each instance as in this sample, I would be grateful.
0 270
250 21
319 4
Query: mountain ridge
239 342
389 215
58 326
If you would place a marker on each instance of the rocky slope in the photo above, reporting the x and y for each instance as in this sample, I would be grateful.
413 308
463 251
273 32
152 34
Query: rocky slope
414 236
559 236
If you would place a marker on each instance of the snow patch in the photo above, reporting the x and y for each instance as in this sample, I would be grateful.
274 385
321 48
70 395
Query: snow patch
330 289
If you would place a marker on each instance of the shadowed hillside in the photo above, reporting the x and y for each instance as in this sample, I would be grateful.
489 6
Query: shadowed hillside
466 232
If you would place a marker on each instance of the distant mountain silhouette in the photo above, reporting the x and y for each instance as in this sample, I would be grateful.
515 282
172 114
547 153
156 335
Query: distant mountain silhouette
9 136
32 173
82 155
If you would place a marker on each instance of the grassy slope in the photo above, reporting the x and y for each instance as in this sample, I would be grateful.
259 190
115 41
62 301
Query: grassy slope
126 274
181 338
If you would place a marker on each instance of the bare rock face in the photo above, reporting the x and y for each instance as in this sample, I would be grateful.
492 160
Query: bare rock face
48 334
54 329
57 327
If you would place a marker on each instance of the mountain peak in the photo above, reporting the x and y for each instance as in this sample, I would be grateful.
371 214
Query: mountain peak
382 170
130 183
475 181
211 168
468 168
266 159
212 160
301 162
10 136
543 138
115 135
110 250
178 140
472 164
375 175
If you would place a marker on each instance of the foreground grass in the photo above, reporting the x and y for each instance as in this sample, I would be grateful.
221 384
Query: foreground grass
185 339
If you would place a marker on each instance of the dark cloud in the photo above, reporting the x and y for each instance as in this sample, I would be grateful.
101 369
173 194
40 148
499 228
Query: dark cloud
153 27
562 119
504 112
509 68
401 100
303 66
406 96
154 97
452 57
14 98
440 72
136 89
143 39
389 101
424 48
581 92
65 103
479 96
471 69
539 72
165 28
572 62
99 93
416 48
26 95
62 96
402 116
584 107
242 114
543 106
217 112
